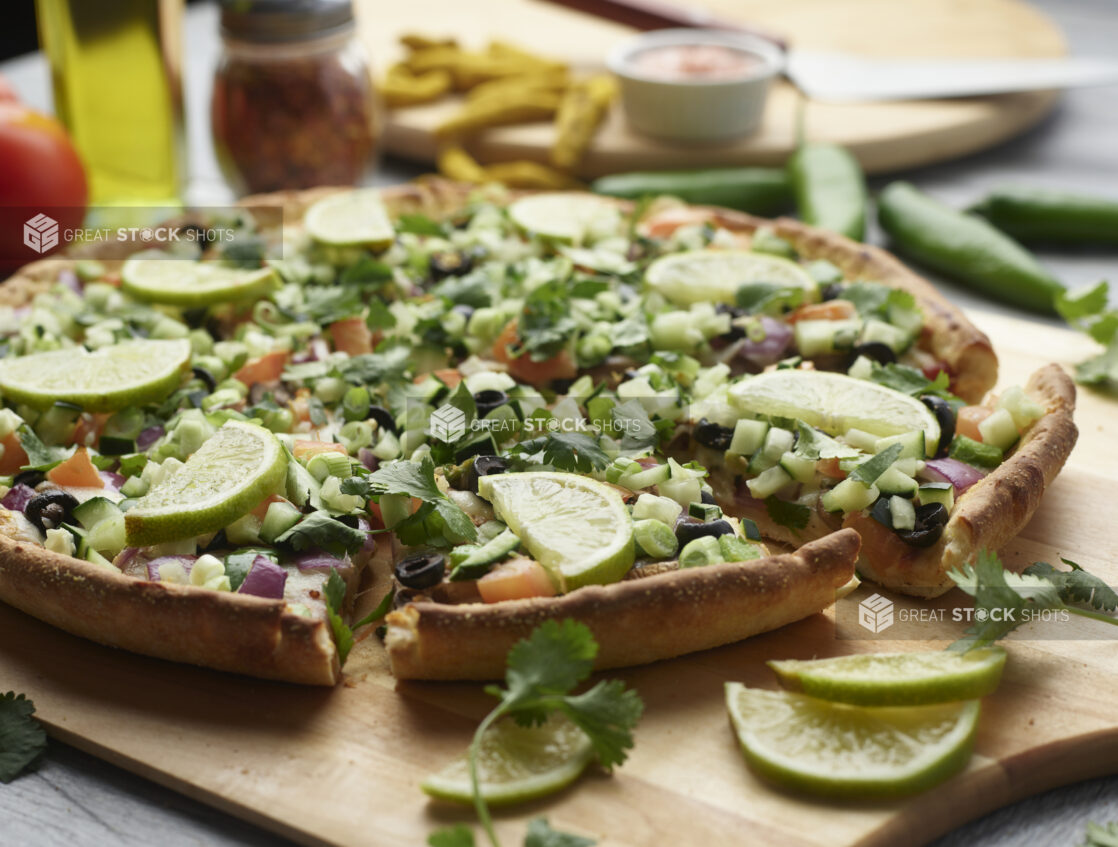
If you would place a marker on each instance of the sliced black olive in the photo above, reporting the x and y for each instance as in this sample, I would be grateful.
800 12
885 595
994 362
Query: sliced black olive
383 417
713 435
30 478
946 420
488 400
561 386
195 318
206 377
831 292
708 498
688 529
421 570
735 332
881 353
484 465
50 509
931 518
449 263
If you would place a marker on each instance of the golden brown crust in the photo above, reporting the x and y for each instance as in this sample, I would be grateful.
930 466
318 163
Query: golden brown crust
988 514
634 622
229 632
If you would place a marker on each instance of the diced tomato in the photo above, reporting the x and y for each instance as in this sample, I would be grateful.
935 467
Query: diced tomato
450 377
304 449
89 424
260 511
352 336
376 519
300 406
968 420
832 310
664 224
77 471
15 457
830 468
266 368
515 580
559 366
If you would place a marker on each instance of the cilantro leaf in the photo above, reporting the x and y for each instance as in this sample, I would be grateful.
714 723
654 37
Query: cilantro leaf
566 451
369 368
770 298
418 224
545 321
1084 302
382 609
1085 309
333 592
1105 835
366 271
814 444
868 471
39 456
417 479
540 834
22 739
1101 369
555 658
631 419
458 835
326 304
379 317
792 515
607 714
1077 585
319 530
872 299
910 381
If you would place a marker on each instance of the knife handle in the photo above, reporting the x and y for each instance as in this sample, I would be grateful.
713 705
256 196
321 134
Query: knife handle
646 15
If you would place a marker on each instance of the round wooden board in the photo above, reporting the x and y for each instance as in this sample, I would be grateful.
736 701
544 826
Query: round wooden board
884 136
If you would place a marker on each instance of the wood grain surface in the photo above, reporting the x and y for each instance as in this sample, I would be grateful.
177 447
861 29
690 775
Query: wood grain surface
884 136
342 766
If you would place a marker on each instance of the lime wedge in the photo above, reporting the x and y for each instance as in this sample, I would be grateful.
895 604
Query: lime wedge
570 218
714 276
130 373
834 403
351 219
896 679
577 528
232 472
850 751
179 282
517 763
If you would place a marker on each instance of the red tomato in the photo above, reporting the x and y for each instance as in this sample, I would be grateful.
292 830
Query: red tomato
7 93
968 420
304 449
833 310
40 173
559 366
266 368
77 471
352 336
14 456
515 580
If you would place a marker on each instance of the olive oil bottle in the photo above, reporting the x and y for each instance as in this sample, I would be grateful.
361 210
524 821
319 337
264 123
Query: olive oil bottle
116 73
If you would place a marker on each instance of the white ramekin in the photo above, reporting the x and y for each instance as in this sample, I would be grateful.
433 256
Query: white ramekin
692 110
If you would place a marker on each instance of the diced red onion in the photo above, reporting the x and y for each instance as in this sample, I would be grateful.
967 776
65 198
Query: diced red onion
322 563
370 544
366 457
264 579
124 557
154 565
18 497
771 348
148 437
961 475
112 479
70 280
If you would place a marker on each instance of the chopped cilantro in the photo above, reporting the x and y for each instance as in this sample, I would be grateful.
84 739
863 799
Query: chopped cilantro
320 531
417 479
868 471
379 317
39 456
769 298
22 739
910 381
366 272
792 515
566 451
1077 585
418 224
333 592
370 368
545 322
1086 310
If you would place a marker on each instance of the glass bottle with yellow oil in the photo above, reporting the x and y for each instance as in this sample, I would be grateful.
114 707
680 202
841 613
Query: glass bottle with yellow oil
116 72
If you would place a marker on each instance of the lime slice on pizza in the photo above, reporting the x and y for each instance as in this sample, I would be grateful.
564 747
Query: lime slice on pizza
179 282
568 218
130 373
517 763
232 472
834 403
896 679
850 751
351 219
714 276
576 527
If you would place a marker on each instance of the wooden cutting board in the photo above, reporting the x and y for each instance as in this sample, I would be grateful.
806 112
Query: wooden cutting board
342 766
884 136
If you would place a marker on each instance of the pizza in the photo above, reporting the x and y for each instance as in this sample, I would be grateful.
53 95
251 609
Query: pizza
680 425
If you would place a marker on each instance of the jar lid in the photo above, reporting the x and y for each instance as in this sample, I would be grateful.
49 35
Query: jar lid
277 21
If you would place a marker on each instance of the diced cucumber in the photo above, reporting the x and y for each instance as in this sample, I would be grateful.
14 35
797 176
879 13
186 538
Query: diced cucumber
736 549
903 513
127 423
769 482
655 475
1024 409
94 510
655 538
279 518
705 512
850 495
912 444
999 430
489 381
244 530
57 423
938 492
892 481
862 368
107 535
778 441
394 508
800 468
701 551
482 557
684 490
111 445
860 439
975 452
814 338
652 507
894 338
910 466
748 437
91 555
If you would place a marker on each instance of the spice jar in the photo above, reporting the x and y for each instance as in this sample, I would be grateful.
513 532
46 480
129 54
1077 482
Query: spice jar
293 102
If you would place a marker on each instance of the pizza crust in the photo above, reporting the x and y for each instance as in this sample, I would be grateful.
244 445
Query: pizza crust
635 621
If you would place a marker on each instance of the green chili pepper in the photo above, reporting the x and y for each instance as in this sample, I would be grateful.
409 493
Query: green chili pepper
760 191
1038 215
830 189
965 247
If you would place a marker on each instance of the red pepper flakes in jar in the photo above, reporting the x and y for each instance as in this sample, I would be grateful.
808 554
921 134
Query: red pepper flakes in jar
293 102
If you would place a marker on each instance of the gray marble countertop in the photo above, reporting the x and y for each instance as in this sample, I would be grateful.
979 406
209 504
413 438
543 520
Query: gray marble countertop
75 799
